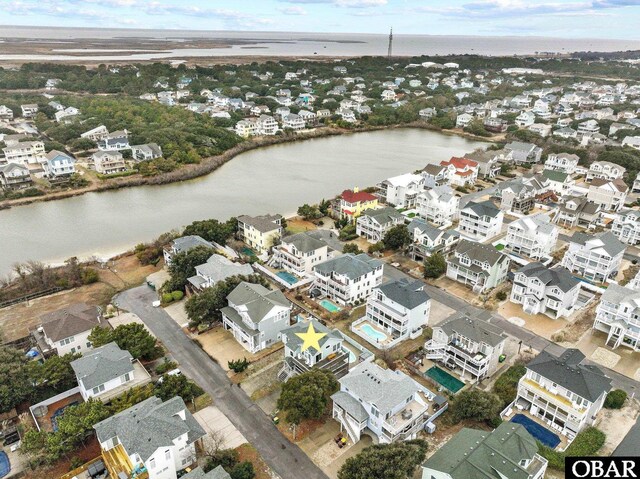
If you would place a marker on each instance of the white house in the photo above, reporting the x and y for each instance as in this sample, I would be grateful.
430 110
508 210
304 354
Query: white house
149 151
480 221
550 291
618 316
466 171
96 134
563 392
118 140
216 269
347 279
391 405
626 226
266 125
14 177
464 120
605 170
438 205
594 257
609 194
373 224
402 190
293 121
525 119
246 128
24 152
532 236
153 435
108 162
182 245
565 162
437 175
255 315
478 265
299 253
632 141
6 113
67 330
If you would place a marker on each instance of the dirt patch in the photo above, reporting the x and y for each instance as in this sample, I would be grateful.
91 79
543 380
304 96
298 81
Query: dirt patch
573 332
298 225
538 323
86 454
616 423
247 452
605 357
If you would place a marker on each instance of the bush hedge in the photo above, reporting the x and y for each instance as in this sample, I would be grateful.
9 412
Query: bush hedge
586 443
615 399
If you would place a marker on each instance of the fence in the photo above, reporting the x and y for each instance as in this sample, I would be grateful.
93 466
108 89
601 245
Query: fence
28 297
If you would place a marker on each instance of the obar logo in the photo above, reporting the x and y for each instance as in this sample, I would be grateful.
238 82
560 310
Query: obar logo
602 467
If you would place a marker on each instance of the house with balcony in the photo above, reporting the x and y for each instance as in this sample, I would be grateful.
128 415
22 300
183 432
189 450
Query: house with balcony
182 245
148 151
470 347
517 197
609 194
564 162
373 224
562 392
438 205
488 162
560 182
332 356
6 113
524 152
299 253
15 177
636 184
508 452
480 266
256 315
437 175
107 372
293 121
118 140
152 439
401 190
618 316
532 236
594 257
480 221
626 226
543 290
109 162
96 134
216 269
386 405
266 125
353 202
400 308
466 171
260 232
30 110
59 165
578 211
605 170
246 128
428 239
67 330
347 279
24 153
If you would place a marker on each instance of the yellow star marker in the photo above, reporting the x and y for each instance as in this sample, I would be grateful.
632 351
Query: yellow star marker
311 339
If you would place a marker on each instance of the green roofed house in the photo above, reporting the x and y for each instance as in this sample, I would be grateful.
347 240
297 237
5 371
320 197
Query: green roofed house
508 452
559 181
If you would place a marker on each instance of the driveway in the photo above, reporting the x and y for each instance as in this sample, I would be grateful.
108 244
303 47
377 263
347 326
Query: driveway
285 458
216 423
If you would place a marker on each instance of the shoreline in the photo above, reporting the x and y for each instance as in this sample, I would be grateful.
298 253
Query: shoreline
211 164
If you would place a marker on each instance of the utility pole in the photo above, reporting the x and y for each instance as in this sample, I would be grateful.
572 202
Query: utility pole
390 50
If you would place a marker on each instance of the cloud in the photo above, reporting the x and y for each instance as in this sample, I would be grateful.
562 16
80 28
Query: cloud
292 10
342 3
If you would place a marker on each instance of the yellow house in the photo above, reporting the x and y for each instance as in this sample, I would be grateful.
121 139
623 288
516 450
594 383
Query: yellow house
354 202
260 232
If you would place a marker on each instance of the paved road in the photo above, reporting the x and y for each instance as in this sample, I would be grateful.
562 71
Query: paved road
285 458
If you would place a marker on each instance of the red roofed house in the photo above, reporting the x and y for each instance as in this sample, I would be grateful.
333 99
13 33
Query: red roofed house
466 171
354 202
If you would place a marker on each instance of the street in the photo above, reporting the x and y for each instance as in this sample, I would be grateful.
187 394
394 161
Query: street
285 459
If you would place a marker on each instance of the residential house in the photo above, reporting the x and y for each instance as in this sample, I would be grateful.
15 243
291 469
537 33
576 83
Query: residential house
524 152
388 95
354 202
517 196
256 315
216 269
626 226
636 184
564 162
373 224
347 279
299 253
266 125
198 473
108 162
149 151
6 113
437 175
107 372
463 120
246 128
588 128
565 132
96 134
24 152
618 316
605 170
542 290
578 211
595 257
182 245
118 140
428 239
401 308
560 182
67 330
402 190
495 124
293 121
525 119
30 110
487 161
14 177
59 165
466 171
470 347
609 194
541 129
389 404
66 114
532 236
508 452
438 205
631 141
260 232
478 265
155 437
562 391
480 221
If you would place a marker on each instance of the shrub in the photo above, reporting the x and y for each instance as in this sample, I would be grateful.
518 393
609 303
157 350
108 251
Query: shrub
506 386
89 276
586 443
501 295
167 298
238 365
615 399
476 405
177 295
166 366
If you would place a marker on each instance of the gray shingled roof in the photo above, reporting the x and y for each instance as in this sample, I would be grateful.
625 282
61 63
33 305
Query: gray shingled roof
304 242
353 266
101 365
351 405
483 208
383 216
479 252
474 329
219 268
198 473
588 382
425 228
608 240
258 300
559 277
185 243
406 292
294 341
74 319
149 425
264 223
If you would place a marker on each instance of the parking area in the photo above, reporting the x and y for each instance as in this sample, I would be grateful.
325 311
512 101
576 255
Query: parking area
439 312
537 323
219 429
178 313
622 360
126 318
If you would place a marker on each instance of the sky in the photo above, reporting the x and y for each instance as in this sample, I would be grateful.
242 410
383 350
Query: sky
552 18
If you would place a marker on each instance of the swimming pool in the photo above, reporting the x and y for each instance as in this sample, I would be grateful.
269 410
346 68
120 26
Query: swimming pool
352 355
288 277
377 336
329 306
5 466
445 379
539 432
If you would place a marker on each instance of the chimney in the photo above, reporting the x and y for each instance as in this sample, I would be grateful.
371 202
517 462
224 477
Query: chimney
356 189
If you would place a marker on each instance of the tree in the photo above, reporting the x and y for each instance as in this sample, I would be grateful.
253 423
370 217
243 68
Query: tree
213 230
309 212
306 396
348 233
130 398
55 374
506 386
15 384
324 207
435 266
397 237
183 266
615 399
351 248
243 470
177 385
132 337
476 405
385 461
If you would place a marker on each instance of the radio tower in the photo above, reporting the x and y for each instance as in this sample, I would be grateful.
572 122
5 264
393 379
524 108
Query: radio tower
390 50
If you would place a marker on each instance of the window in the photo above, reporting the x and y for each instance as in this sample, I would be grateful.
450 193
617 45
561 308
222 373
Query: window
167 454
152 463
98 389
